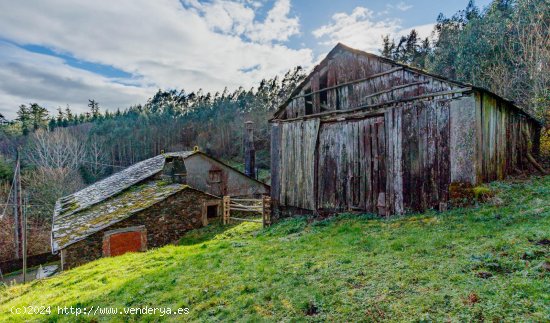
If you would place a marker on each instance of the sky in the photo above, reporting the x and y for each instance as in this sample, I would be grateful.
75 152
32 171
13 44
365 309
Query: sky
119 53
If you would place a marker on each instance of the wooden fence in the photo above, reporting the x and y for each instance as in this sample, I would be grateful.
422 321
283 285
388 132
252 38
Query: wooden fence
258 206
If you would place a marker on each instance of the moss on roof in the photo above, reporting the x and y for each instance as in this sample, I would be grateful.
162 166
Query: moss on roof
113 184
76 226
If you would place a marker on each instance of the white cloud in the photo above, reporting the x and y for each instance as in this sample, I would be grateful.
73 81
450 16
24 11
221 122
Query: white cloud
423 31
361 29
27 77
403 6
238 18
162 43
278 25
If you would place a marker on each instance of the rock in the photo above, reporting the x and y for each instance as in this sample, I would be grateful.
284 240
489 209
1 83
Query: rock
46 271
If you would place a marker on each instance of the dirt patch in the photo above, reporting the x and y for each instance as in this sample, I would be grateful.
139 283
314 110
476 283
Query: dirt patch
311 309
543 242
472 299
484 275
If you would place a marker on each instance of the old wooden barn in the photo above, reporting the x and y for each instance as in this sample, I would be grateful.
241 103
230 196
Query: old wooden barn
364 133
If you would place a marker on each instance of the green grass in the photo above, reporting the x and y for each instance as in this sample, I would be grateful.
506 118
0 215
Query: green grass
428 267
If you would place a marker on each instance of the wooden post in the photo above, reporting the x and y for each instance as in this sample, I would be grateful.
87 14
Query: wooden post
226 211
266 214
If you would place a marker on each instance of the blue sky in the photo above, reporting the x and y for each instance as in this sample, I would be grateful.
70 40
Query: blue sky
64 52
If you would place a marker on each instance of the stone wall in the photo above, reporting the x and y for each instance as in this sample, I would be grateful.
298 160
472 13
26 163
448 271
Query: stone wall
165 223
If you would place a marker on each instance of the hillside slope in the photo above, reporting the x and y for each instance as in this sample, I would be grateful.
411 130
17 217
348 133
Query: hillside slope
487 262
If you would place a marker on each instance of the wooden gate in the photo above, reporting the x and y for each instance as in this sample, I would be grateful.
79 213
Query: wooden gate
259 206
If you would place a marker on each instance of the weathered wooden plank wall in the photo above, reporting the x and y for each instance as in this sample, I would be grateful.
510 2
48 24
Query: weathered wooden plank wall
276 162
400 150
421 155
501 145
348 164
351 167
392 83
297 163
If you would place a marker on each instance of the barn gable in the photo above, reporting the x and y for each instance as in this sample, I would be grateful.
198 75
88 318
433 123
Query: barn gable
351 79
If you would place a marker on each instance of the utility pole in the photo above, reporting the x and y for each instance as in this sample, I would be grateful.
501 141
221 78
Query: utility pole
16 209
25 240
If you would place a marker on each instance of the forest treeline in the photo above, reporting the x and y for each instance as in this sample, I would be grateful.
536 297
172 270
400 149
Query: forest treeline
65 152
504 48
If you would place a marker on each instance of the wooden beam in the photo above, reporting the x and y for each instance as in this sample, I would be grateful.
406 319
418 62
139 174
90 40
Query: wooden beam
247 220
339 112
266 212
226 210
394 88
347 83
355 116
258 210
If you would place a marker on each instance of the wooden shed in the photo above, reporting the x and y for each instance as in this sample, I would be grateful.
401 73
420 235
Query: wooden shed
149 204
364 133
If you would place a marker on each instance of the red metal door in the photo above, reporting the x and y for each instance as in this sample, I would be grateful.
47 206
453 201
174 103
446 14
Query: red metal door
121 243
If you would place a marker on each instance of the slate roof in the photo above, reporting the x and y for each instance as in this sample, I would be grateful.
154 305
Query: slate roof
77 226
78 215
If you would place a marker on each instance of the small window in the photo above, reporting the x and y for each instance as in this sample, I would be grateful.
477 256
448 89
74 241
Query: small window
215 176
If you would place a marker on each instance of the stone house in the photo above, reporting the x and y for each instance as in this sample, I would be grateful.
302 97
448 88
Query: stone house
146 205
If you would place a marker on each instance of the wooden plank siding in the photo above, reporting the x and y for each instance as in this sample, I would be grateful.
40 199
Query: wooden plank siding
296 171
388 139
403 154
351 168
501 148
346 67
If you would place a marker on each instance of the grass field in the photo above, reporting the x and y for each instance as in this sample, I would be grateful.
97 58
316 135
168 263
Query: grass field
487 262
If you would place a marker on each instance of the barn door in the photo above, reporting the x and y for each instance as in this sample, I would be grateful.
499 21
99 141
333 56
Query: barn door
120 241
351 165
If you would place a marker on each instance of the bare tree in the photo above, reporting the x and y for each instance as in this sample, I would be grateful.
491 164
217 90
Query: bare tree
58 149
530 53
97 159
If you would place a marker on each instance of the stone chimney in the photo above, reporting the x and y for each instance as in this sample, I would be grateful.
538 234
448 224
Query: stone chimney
249 151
